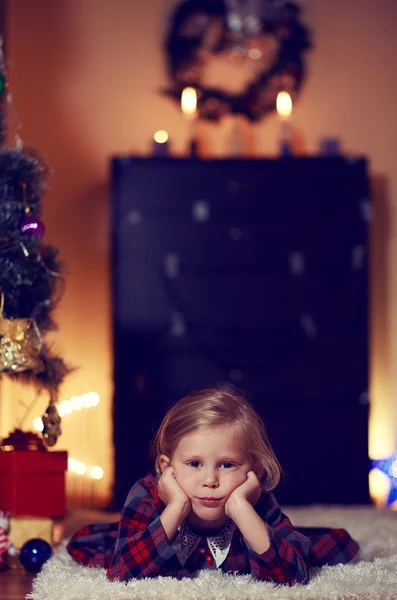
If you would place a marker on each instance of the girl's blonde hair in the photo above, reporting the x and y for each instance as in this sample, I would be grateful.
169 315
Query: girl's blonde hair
212 408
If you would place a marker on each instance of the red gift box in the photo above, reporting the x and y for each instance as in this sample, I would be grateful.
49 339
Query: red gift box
33 483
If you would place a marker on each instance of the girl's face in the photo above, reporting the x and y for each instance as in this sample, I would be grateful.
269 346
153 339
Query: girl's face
209 466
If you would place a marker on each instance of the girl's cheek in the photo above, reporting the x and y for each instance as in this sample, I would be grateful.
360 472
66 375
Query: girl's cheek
242 479
186 481
180 477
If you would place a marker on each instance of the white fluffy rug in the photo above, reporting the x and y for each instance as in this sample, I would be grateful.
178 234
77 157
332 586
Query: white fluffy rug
372 577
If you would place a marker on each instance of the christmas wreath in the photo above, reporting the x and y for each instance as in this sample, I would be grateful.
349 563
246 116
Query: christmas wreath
262 41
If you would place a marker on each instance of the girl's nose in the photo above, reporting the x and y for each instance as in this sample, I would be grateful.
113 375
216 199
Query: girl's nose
211 478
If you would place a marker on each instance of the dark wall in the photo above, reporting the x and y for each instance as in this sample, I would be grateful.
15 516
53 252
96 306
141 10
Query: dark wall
3 20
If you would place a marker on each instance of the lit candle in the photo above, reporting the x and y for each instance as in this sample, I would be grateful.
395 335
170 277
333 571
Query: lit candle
189 102
284 110
189 109
160 143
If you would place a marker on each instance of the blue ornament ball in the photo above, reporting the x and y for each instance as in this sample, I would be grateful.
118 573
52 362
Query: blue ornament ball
34 553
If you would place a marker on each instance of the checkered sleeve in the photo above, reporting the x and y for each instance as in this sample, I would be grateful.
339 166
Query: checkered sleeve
287 559
142 547
330 546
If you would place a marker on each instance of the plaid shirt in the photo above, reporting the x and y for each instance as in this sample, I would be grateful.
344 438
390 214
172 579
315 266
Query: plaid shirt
138 547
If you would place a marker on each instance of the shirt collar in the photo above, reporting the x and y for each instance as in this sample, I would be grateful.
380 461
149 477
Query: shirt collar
219 544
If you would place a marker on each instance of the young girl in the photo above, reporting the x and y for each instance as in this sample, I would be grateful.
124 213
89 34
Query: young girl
208 505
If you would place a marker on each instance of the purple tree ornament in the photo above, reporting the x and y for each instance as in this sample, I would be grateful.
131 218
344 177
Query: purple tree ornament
32 226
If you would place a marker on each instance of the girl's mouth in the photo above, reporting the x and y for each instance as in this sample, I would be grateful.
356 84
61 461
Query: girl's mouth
210 502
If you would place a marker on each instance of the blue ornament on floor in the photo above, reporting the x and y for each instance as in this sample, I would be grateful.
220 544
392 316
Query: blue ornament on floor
34 553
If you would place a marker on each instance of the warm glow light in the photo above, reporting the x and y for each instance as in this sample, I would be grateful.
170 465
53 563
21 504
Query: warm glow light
189 102
66 407
379 487
38 424
284 104
96 472
80 468
161 136
90 399
76 403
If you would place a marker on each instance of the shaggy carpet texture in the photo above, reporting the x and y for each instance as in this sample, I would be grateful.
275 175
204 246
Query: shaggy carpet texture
373 576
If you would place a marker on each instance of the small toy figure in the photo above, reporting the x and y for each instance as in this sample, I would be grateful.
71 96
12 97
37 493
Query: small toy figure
4 541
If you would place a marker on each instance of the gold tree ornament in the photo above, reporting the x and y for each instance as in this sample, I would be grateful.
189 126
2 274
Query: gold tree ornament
19 345
52 424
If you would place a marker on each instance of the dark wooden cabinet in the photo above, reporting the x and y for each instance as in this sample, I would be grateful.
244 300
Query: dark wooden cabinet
253 274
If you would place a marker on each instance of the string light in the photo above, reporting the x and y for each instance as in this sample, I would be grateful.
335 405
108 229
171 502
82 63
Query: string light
77 466
80 468
38 424
66 407
96 472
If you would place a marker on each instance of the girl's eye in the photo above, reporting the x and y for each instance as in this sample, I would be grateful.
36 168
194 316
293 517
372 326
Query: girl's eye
194 463
228 465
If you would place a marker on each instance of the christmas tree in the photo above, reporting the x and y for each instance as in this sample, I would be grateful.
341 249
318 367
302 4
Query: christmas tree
31 273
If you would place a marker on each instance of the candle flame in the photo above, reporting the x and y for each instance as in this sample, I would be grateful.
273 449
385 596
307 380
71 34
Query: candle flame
189 102
161 136
284 104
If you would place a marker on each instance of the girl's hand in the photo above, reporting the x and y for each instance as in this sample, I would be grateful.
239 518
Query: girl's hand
248 492
171 493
